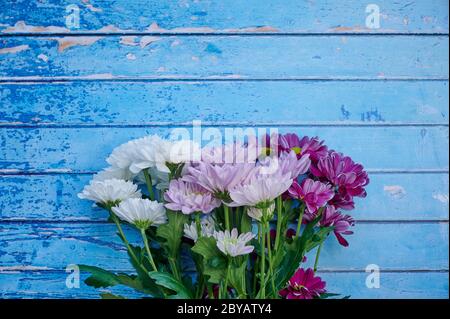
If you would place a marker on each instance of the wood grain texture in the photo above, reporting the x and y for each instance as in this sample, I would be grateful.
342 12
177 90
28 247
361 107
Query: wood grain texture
45 284
221 57
234 16
412 246
66 148
54 198
308 103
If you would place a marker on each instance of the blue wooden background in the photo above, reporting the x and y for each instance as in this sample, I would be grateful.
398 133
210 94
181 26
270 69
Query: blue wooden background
133 67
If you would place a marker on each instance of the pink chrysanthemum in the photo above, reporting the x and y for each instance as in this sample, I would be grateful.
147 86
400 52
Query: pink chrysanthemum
314 194
189 198
303 285
348 177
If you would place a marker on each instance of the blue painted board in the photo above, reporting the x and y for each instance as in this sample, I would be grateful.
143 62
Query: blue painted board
54 198
412 246
65 149
225 57
44 284
307 103
231 16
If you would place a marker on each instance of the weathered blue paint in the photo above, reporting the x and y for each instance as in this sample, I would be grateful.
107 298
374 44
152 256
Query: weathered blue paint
51 284
66 148
311 102
379 95
231 16
287 57
56 245
53 197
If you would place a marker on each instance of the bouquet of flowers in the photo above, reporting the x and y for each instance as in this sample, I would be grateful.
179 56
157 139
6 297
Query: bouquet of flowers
230 221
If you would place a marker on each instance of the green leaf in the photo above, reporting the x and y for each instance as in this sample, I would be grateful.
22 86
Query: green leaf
100 278
246 223
214 263
318 237
172 231
111 296
168 281
237 277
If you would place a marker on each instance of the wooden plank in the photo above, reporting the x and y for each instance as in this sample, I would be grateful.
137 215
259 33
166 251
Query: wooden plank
44 285
63 149
412 246
230 17
54 198
392 285
220 57
306 103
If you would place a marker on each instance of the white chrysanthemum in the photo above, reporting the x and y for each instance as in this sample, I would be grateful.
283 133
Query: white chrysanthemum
109 191
142 213
157 152
113 173
233 245
124 155
207 225
257 213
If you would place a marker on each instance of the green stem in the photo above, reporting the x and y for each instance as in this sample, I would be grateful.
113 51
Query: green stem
174 268
127 244
317 256
147 248
300 218
226 278
198 225
269 251
148 182
262 276
227 217
279 218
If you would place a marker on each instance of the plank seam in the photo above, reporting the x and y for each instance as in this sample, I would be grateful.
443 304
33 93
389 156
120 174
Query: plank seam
107 78
64 171
104 222
4 270
223 34
14 125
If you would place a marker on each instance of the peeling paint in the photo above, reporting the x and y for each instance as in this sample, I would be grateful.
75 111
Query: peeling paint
395 191
71 41
131 56
15 49
154 27
22 27
443 198
146 40
129 40
43 57
91 7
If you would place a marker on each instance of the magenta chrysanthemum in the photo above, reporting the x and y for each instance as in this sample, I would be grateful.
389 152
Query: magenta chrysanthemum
332 217
348 177
189 198
314 194
303 285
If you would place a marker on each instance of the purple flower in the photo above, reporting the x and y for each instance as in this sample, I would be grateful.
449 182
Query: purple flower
291 142
314 194
303 285
219 179
348 177
340 222
189 198
331 217
313 147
